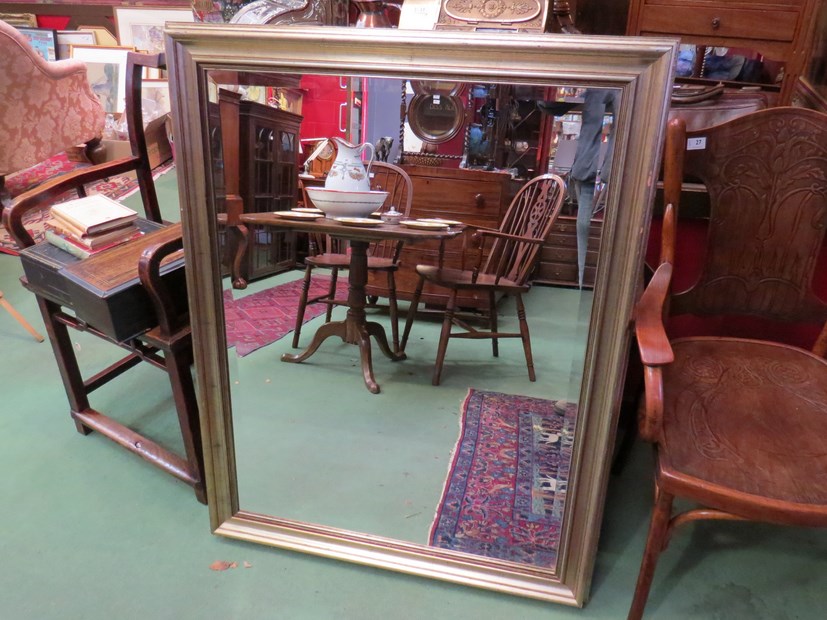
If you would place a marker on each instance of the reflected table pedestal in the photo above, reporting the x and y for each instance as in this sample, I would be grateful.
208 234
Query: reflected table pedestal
355 329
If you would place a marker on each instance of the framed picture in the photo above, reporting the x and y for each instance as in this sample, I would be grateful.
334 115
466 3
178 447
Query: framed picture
143 29
155 94
106 70
42 40
102 35
19 19
67 38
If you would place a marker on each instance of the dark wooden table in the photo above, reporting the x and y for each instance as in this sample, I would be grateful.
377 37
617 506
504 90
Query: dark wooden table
355 329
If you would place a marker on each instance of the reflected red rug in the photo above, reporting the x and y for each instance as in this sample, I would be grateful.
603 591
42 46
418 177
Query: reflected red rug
116 187
506 488
264 317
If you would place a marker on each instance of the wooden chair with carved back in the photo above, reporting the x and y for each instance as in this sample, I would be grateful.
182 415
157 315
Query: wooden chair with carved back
738 423
511 253
166 344
383 256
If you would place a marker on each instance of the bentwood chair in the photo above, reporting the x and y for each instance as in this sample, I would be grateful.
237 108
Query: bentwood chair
511 253
383 256
738 424
166 343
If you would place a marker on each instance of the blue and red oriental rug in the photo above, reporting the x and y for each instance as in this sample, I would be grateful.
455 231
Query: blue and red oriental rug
506 488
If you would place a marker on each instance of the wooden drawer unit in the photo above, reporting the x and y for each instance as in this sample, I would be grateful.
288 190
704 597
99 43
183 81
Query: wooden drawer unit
474 197
781 30
558 258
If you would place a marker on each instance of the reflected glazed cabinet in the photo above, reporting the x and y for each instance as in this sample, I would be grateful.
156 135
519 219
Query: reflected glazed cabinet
780 30
268 181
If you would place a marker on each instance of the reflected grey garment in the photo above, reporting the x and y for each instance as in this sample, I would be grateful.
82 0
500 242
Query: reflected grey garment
597 102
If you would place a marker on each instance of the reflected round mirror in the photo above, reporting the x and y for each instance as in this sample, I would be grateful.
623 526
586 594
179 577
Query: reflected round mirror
435 118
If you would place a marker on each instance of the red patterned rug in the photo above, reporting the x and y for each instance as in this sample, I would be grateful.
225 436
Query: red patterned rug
117 187
506 488
262 318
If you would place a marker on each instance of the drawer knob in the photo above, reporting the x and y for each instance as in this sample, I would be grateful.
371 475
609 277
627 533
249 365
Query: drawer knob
479 201
716 23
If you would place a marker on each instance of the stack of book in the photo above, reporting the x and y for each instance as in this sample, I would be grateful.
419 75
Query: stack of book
91 224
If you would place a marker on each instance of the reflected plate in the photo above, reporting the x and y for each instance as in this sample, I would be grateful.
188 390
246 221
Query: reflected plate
424 225
307 210
358 221
439 220
298 215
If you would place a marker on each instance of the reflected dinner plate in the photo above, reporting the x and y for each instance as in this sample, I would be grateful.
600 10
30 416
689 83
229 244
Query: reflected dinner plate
439 220
307 210
358 221
298 215
424 225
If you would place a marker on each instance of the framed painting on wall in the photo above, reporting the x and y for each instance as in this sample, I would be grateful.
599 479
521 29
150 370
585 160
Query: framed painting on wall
144 29
42 40
68 38
106 70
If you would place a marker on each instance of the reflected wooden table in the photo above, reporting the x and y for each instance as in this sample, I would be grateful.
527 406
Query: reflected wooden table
355 329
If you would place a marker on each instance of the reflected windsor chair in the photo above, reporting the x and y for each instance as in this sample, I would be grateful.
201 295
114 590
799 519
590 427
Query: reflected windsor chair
739 424
512 255
383 256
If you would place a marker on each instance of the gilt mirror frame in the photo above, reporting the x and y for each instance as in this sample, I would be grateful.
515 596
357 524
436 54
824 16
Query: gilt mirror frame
640 68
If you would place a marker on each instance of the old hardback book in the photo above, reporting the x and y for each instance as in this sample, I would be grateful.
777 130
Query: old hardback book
104 290
93 214
80 249
95 240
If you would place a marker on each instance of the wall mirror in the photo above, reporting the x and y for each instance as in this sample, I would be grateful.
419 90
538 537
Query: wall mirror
302 456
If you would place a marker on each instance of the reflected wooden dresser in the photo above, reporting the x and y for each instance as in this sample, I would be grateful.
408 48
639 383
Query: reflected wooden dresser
558 258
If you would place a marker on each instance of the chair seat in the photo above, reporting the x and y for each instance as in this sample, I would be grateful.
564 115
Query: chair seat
342 261
750 417
463 278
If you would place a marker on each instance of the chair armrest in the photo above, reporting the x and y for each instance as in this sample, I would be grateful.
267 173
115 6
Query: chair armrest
170 319
655 352
44 195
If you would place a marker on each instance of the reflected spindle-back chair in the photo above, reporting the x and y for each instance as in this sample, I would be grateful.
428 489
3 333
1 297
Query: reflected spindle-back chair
739 424
383 256
511 253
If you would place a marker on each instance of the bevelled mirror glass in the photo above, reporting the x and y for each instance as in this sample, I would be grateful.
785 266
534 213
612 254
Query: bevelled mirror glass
473 473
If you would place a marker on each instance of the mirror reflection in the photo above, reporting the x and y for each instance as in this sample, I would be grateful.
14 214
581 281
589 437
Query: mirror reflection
459 200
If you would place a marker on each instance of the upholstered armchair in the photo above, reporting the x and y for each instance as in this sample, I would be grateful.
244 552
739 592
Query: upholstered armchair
46 107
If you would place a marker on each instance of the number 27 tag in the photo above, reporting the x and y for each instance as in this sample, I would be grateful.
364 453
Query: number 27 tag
696 144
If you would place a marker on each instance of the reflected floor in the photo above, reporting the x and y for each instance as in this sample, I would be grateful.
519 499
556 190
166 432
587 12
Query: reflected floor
312 444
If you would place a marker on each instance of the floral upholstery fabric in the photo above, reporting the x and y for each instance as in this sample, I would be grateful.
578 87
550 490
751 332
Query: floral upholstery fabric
46 107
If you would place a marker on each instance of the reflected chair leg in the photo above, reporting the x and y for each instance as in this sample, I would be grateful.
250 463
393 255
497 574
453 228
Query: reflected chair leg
655 543
393 311
302 306
492 323
445 335
412 313
331 293
526 338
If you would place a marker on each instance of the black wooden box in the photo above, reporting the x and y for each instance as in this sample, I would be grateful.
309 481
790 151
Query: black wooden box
104 290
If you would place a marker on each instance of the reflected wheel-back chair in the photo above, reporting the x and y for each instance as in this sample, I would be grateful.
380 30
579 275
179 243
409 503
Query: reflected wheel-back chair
167 344
505 260
383 256
739 424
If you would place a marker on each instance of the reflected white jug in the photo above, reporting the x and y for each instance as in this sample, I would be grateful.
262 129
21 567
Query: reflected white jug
348 173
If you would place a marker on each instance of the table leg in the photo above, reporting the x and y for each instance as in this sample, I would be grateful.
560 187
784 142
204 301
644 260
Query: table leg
355 329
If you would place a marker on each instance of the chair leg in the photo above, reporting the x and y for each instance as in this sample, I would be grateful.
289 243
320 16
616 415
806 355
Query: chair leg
302 306
492 323
411 313
655 543
445 336
19 318
526 338
393 311
331 293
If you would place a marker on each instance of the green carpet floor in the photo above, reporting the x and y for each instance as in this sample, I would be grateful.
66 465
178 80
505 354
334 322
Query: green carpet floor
92 532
